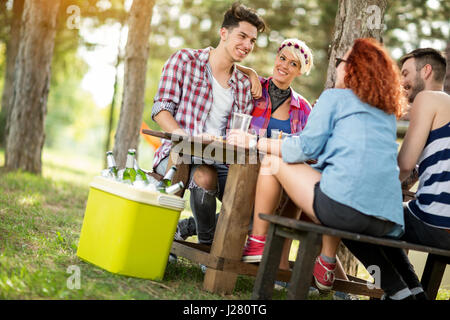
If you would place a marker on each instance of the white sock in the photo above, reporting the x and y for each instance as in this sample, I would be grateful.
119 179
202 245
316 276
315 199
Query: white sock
328 259
416 290
402 294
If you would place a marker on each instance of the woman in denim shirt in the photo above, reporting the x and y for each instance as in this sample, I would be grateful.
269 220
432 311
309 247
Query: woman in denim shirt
352 133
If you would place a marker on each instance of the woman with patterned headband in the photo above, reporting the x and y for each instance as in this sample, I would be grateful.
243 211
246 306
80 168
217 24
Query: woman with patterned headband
277 107
276 104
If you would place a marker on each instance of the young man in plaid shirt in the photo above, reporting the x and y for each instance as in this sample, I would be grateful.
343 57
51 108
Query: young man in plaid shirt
198 92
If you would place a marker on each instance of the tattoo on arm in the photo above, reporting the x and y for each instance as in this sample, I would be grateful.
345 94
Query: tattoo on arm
411 180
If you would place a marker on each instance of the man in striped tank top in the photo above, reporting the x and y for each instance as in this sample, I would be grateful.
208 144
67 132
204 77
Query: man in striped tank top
426 148
427 145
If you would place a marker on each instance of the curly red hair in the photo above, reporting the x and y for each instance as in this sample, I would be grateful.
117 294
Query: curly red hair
374 77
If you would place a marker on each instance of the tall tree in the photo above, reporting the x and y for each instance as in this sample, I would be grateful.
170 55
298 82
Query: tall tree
31 85
112 107
12 49
412 24
354 19
136 57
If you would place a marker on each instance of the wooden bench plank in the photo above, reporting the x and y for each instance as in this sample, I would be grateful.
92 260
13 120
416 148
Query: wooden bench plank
357 288
189 250
307 226
195 254
195 245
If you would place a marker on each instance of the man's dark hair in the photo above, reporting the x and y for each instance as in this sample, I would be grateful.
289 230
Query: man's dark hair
429 56
237 13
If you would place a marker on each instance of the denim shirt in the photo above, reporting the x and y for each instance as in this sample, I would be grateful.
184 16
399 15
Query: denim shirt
356 151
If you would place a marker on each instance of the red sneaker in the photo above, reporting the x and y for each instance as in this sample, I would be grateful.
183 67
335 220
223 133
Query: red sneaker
324 274
254 249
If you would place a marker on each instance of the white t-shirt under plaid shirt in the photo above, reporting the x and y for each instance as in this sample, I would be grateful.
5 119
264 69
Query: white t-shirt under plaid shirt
185 90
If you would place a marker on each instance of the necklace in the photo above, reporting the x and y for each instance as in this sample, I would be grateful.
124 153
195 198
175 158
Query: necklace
277 95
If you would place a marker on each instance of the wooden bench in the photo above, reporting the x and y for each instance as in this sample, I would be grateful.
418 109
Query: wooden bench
310 236
223 259
202 253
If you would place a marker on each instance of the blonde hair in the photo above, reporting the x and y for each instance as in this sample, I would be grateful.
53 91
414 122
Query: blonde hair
301 51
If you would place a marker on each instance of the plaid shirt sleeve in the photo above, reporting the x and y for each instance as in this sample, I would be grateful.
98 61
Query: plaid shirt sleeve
169 89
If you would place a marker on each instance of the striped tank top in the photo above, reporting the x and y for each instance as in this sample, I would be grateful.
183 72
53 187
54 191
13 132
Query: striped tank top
432 203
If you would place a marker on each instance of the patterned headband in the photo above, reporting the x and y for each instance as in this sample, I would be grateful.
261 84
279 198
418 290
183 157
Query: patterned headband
296 46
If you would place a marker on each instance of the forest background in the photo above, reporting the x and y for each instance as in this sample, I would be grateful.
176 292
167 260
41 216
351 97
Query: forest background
87 68
71 78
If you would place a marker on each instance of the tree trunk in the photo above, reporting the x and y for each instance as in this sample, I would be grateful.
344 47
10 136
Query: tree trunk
447 74
31 85
11 53
354 19
136 57
113 102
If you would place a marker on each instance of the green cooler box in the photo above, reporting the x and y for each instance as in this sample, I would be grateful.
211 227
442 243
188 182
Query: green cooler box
128 231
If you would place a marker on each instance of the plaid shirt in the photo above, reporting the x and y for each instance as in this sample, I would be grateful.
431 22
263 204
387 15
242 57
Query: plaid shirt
298 112
185 91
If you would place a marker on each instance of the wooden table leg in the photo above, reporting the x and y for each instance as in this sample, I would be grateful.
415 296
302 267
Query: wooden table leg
265 279
232 226
432 275
303 267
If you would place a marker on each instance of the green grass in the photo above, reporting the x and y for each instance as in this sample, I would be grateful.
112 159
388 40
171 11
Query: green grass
40 224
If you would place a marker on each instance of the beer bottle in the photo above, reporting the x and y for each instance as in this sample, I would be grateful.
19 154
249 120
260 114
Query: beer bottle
112 167
166 181
129 175
140 174
174 188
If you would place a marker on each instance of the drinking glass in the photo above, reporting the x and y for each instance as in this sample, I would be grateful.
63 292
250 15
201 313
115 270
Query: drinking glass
276 134
241 121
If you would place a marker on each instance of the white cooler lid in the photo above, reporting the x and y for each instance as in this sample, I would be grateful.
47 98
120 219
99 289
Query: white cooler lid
126 191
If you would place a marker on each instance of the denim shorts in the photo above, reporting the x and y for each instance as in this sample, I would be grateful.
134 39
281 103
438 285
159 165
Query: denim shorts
339 216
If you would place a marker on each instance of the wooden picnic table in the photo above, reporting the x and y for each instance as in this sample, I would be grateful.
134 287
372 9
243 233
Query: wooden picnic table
223 257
